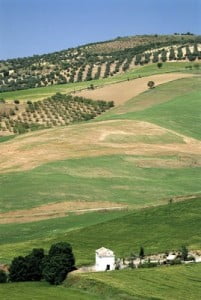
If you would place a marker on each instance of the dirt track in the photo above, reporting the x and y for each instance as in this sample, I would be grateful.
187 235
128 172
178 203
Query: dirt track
123 91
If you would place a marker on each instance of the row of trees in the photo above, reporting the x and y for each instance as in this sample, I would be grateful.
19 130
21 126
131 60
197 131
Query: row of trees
53 267
164 56
57 110
71 67
182 255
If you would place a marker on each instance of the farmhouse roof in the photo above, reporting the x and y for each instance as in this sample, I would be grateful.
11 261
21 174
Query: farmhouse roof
104 252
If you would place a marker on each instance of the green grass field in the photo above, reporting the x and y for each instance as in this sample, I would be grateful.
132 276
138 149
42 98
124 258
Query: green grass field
6 138
42 291
170 115
157 229
120 178
137 180
174 105
175 283
116 178
47 229
39 93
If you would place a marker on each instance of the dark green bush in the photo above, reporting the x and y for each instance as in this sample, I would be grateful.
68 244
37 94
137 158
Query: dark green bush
58 263
3 276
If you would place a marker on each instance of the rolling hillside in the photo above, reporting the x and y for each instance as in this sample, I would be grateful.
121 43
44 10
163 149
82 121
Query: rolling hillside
20 116
126 163
165 283
96 61
55 111
158 229
113 163
180 282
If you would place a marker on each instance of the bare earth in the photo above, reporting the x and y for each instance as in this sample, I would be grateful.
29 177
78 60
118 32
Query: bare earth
123 91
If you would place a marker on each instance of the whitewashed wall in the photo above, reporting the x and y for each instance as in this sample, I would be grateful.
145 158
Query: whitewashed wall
102 262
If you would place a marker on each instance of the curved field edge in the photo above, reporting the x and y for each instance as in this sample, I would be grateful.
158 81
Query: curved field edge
177 282
157 229
120 179
44 92
174 105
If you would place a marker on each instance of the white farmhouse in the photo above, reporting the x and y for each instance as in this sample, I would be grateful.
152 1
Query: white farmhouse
105 259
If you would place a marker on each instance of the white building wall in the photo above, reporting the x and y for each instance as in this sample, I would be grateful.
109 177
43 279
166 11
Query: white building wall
102 262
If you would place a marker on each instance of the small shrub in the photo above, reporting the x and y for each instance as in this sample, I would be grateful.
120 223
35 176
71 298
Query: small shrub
17 101
159 65
141 253
151 84
196 66
190 258
184 252
148 265
3 276
176 261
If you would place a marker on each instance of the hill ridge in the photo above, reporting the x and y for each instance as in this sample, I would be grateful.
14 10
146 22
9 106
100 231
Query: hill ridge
96 61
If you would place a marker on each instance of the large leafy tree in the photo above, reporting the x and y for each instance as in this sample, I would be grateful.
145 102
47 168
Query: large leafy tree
58 263
34 264
27 268
18 269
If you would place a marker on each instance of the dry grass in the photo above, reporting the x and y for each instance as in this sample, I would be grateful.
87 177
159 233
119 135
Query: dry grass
89 140
180 162
123 91
55 210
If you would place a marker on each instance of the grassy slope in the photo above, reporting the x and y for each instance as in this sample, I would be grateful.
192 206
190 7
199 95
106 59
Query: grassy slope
41 291
179 110
38 93
115 178
178 282
170 115
47 229
158 229
6 138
